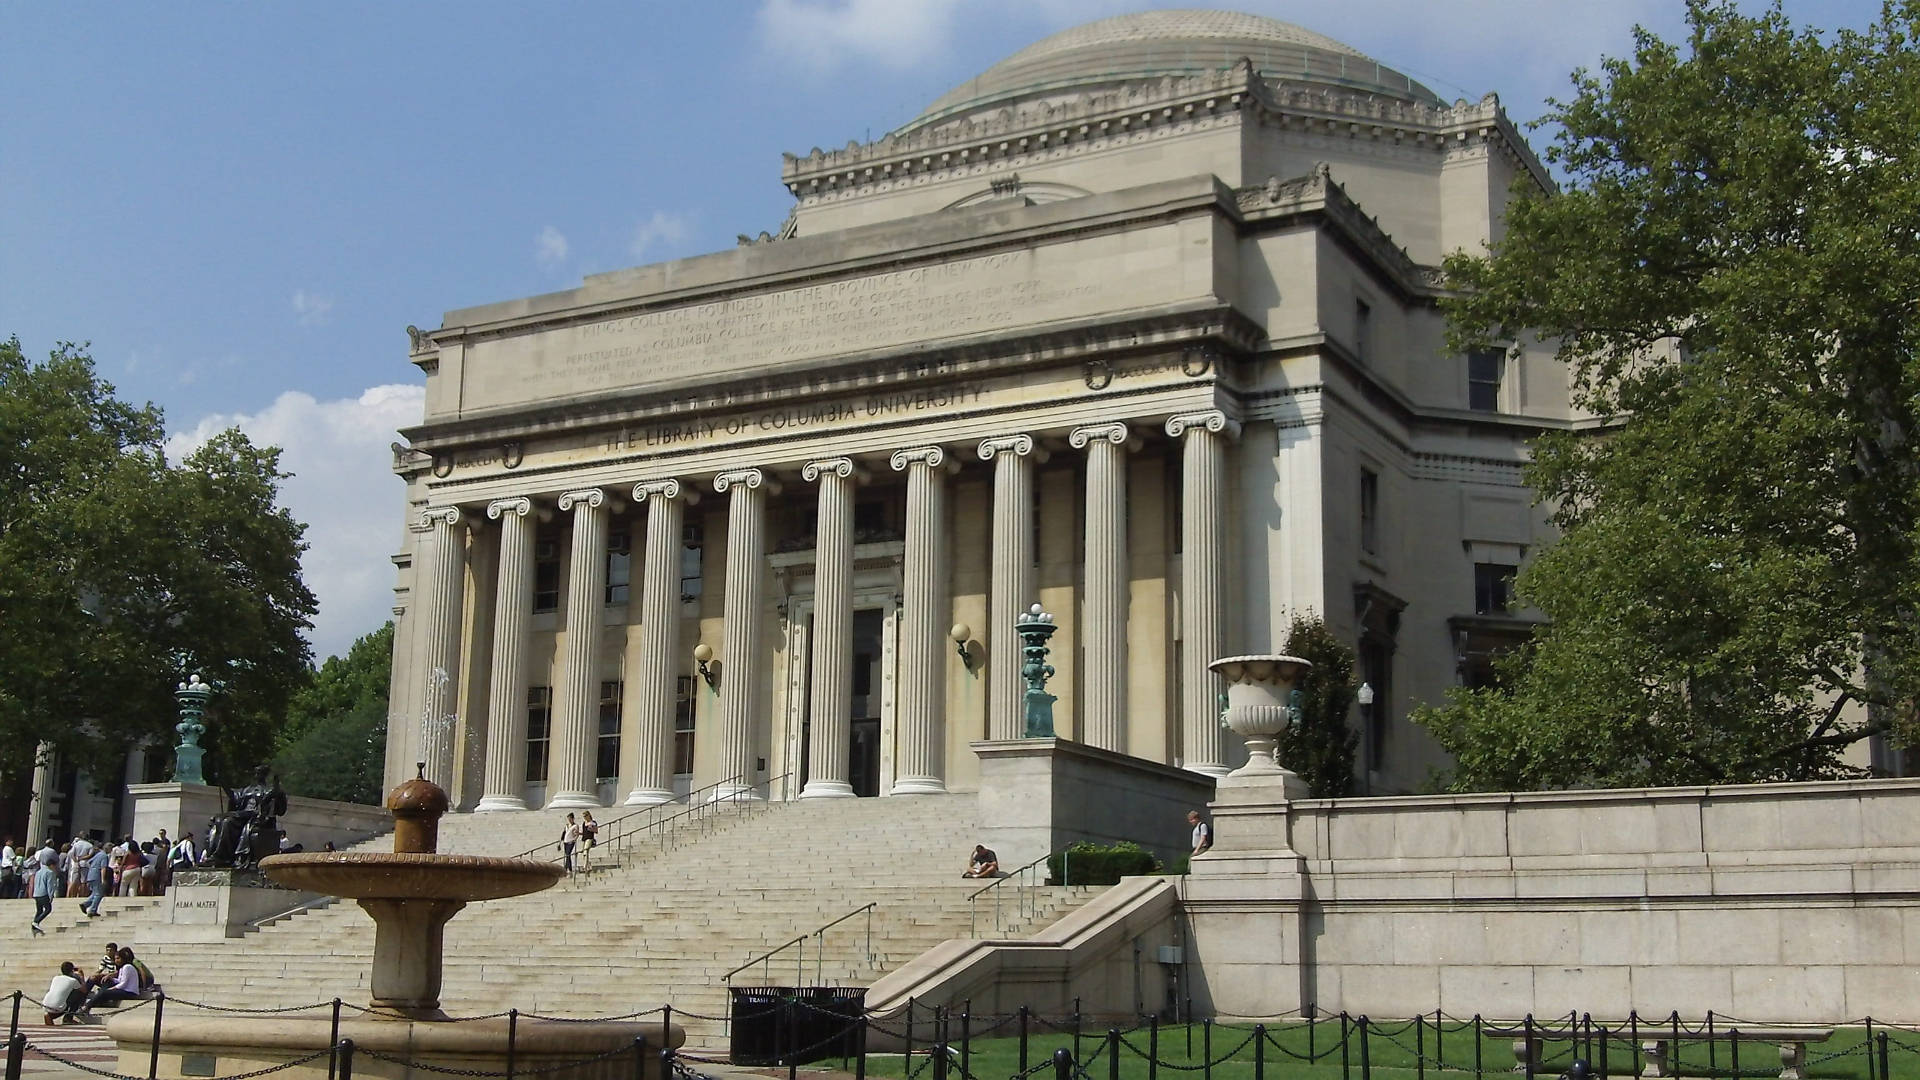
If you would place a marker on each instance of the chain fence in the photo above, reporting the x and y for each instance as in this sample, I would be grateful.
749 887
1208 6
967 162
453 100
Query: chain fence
786 1026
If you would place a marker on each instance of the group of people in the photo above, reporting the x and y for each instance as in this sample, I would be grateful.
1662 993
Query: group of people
577 840
120 977
89 869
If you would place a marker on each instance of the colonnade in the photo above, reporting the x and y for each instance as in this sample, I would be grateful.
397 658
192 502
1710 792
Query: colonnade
925 596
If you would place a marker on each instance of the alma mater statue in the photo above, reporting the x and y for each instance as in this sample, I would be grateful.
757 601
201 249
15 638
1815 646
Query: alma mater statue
249 830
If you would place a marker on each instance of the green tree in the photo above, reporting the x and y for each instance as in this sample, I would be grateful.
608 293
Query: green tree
333 744
1731 274
119 573
1320 747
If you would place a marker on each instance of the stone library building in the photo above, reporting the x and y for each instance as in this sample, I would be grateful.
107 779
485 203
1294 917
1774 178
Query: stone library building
1140 325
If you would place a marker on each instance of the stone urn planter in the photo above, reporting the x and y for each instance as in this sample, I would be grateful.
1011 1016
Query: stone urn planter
1260 704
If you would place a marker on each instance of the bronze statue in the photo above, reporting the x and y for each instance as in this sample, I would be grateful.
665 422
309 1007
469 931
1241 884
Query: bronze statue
249 830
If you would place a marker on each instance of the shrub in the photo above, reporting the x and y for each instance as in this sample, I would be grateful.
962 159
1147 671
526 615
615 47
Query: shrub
1093 864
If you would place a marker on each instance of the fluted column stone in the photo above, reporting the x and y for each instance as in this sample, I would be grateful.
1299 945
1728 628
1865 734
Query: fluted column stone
650 696
1203 479
507 681
576 704
831 696
1013 580
1104 609
921 710
740 652
438 570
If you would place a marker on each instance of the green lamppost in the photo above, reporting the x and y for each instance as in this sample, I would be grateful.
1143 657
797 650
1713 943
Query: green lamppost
192 696
1034 628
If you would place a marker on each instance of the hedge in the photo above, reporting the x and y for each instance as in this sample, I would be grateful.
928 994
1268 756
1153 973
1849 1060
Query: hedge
1093 864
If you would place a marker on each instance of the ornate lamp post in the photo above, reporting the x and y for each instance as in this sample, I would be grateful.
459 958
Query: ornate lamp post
1262 702
193 696
1034 628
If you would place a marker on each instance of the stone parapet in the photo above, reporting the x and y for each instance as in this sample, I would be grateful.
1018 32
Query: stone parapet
1039 795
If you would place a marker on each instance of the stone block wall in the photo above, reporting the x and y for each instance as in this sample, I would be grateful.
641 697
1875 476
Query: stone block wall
1781 902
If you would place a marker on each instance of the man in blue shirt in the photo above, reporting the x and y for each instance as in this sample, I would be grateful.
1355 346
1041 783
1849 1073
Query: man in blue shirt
45 884
96 882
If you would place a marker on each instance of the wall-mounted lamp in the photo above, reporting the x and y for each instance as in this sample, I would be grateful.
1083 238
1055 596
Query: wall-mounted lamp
703 656
1364 695
962 643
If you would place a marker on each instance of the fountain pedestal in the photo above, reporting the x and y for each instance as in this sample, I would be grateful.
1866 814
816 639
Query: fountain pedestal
410 893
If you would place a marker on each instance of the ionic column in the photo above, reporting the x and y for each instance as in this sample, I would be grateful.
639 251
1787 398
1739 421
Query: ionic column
740 652
1012 588
507 682
1104 608
437 570
921 702
1203 478
576 701
40 800
832 631
650 693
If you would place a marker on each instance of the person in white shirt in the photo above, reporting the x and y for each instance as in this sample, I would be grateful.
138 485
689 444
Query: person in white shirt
64 995
1202 832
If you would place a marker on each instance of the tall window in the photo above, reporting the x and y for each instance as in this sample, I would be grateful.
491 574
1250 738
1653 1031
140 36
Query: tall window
1376 670
1485 368
683 725
1369 511
1363 331
1493 588
693 536
619 567
546 574
539 731
607 760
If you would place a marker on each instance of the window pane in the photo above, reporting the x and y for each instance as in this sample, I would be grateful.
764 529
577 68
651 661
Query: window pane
619 567
1369 510
1493 588
539 717
607 758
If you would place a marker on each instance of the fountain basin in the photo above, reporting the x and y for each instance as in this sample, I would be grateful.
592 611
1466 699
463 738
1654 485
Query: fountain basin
381 875
212 1045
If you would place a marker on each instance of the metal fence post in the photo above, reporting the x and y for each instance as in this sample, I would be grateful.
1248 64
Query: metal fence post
17 1052
966 1038
1479 1033
343 1054
1062 1064
1870 1074
1712 1062
1526 1032
1113 1053
639 1057
1023 1042
1076 1029
513 1034
666 1062
1206 1046
860 1060
1884 1074
14 1027
153 1052
1733 1050
1346 1049
1153 1046
1260 1052
1419 1046
1366 1059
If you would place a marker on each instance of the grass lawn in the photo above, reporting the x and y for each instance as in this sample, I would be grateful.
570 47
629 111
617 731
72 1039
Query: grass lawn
1394 1050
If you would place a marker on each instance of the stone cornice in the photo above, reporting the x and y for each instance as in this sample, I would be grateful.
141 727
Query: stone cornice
1110 338
1317 194
1002 135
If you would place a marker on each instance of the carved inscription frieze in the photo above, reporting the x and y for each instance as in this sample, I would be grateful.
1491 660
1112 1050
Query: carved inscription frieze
795 419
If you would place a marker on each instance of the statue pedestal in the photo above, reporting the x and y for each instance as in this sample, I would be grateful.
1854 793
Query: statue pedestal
213 905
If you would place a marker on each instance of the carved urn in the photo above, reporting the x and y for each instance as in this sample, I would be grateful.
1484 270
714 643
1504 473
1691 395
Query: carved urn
1262 701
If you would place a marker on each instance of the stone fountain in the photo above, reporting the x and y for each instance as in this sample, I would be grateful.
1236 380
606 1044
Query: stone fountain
411 893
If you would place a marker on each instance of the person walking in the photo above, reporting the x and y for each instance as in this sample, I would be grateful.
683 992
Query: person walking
96 882
589 829
569 839
46 884
1202 833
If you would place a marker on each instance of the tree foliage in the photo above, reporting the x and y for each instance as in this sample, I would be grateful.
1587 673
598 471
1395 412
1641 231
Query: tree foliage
1731 274
333 745
120 573
1320 746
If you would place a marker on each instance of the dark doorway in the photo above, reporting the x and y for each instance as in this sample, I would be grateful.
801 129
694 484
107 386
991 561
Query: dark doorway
863 766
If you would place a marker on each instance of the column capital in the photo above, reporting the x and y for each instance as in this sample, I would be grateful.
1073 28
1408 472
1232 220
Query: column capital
746 478
1019 445
519 506
440 515
666 488
842 467
1213 420
1115 433
593 497
933 457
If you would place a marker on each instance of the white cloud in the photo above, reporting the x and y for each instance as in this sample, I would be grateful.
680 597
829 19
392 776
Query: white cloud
550 248
311 309
662 229
820 33
342 487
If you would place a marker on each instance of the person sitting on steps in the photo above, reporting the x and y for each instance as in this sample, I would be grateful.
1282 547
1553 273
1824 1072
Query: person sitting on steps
64 995
124 987
983 864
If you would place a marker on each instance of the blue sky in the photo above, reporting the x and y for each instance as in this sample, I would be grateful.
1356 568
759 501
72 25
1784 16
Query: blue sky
243 205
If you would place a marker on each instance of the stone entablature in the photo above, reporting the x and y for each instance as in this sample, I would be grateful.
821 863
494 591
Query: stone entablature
1005 137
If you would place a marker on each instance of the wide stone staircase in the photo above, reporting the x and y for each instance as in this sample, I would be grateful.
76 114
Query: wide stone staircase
663 917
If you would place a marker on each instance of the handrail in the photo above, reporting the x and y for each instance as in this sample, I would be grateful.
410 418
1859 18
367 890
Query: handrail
1025 899
610 823
819 952
667 829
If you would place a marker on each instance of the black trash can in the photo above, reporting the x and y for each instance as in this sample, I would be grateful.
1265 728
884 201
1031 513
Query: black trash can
829 1022
758 1024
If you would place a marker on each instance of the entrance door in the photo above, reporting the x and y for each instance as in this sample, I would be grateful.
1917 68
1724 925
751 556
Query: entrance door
863 766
